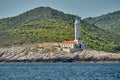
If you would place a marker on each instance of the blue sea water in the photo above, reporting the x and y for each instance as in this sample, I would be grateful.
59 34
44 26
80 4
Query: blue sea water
60 71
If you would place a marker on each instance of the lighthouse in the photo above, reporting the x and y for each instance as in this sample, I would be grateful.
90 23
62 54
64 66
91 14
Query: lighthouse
77 44
77 30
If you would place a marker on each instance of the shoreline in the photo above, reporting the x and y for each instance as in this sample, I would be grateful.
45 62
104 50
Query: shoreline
30 54
55 61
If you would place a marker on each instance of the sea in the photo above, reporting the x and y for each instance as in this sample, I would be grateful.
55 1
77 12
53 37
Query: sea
60 71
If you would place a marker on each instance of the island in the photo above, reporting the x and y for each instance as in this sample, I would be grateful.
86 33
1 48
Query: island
44 34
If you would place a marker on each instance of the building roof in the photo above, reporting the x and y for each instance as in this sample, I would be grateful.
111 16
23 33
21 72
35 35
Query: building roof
69 42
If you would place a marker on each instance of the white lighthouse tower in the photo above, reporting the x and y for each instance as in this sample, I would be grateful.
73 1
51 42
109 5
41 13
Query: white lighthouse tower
77 30
80 44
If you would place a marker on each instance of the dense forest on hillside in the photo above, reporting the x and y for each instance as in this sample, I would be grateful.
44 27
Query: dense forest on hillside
45 24
110 21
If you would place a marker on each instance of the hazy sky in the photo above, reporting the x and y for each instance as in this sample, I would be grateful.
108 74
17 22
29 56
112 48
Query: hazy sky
83 8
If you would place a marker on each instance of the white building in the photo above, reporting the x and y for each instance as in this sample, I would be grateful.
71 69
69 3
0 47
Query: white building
77 44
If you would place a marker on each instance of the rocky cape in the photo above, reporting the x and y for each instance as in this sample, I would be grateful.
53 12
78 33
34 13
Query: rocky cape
26 54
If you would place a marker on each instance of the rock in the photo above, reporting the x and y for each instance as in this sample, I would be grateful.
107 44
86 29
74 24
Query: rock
21 54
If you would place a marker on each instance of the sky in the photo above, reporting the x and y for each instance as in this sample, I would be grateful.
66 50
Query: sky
82 8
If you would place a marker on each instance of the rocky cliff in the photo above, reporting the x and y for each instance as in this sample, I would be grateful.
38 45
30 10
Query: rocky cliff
24 54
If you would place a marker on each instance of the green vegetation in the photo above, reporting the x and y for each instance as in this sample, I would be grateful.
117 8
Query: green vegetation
109 22
44 24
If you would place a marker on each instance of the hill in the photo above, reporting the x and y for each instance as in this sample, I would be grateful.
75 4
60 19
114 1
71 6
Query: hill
44 24
110 21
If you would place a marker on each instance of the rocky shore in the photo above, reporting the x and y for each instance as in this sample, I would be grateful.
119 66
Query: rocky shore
24 54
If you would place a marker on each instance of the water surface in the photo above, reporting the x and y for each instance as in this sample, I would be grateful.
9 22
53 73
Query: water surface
59 71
